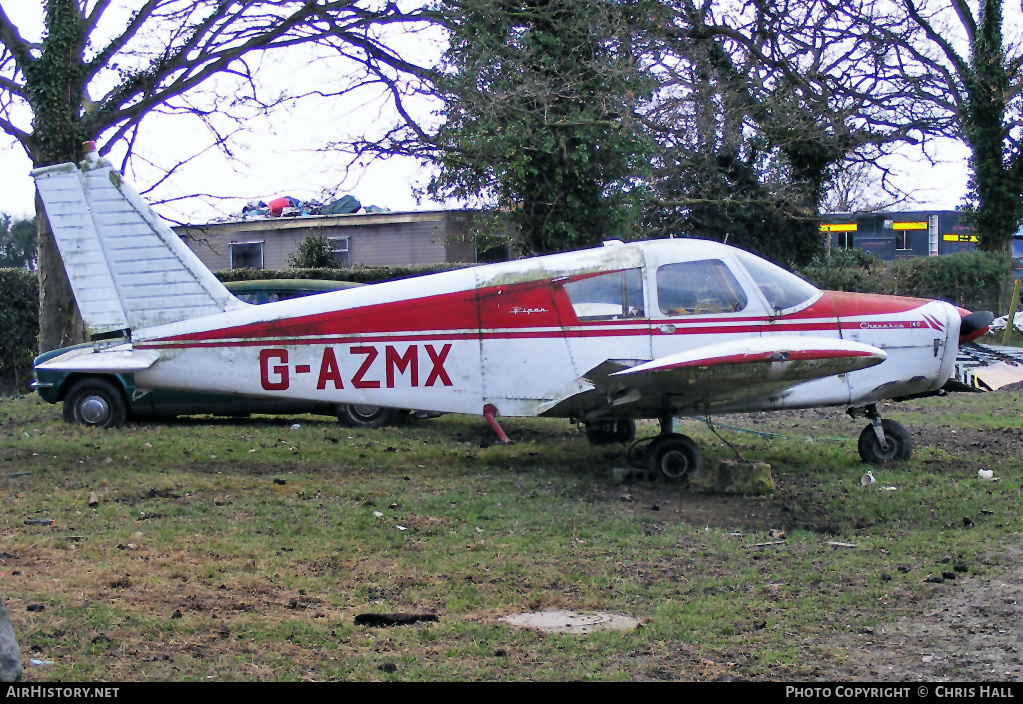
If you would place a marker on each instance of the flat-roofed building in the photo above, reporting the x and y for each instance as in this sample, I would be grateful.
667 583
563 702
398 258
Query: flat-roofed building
897 235
377 239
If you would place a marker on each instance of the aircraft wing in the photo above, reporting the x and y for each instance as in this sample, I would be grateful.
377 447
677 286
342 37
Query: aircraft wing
761 359
721 375
117 361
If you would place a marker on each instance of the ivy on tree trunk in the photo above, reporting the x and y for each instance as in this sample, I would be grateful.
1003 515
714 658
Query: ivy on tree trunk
54 88
997 175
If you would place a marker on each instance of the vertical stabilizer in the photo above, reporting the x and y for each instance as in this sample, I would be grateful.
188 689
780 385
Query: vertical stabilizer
127 268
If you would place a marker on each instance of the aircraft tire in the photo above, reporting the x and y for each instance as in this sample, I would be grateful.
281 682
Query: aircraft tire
356 415
96 403
609 432
900 444
675 458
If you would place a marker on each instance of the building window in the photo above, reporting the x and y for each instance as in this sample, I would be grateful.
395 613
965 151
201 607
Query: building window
339 248
902 240
246 255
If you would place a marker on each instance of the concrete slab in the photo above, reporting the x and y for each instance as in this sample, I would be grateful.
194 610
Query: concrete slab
573 622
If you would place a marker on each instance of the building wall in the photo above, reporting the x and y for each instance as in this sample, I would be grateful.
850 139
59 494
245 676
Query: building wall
385 239
896 235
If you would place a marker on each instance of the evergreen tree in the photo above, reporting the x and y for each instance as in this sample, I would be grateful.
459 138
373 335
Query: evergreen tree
997 179
17 243
540 118
314 252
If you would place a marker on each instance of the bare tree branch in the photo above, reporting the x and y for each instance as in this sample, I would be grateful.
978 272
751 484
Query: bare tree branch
11 38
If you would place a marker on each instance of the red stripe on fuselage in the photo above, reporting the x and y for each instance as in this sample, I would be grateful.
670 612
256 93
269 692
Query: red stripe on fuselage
535 309
582 332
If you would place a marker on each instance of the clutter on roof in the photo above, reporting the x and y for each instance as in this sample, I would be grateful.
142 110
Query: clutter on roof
342 206
290 207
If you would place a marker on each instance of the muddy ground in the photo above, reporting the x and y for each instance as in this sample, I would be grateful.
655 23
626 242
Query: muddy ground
971 629
968 629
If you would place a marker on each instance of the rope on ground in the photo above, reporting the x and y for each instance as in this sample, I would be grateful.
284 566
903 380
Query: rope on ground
710 424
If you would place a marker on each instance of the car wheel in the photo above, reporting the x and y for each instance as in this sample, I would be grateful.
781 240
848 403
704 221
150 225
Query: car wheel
95 402
357 415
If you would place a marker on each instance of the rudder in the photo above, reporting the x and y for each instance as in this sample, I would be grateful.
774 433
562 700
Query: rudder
127 268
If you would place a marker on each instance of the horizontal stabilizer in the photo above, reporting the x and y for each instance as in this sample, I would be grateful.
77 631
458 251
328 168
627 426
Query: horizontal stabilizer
115 361
127 268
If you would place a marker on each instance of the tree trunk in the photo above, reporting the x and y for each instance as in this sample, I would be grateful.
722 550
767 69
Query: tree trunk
60 323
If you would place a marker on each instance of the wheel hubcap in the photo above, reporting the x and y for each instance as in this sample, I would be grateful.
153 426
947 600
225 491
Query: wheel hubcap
366 412
94 409
674 464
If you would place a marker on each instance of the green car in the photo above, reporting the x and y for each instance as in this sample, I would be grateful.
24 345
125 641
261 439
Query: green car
108 400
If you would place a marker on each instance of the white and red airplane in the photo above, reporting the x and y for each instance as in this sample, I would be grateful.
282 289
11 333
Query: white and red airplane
654 329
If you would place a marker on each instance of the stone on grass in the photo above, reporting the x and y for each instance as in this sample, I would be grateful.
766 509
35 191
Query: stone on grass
10 656
734 477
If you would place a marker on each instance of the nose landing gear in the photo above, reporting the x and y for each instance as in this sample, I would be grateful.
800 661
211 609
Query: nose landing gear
882 440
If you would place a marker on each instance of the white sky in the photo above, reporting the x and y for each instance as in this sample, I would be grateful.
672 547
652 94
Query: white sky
274 157
285 165
278 157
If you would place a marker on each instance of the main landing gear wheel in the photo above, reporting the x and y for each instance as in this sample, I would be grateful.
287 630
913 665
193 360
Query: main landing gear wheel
674 457
97 403
608 432
356 415
898 445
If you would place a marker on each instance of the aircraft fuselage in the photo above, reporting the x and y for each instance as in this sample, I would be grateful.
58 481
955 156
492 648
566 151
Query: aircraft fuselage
524 336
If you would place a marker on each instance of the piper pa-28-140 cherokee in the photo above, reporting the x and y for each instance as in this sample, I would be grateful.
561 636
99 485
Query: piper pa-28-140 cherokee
652 329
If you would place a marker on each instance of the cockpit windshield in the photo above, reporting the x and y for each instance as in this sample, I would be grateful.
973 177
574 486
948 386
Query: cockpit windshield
781 288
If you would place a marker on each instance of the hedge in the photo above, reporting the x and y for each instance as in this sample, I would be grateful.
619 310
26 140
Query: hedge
973 280
19 319
359 274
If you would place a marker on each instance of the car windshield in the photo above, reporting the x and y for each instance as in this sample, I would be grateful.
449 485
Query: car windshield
781 288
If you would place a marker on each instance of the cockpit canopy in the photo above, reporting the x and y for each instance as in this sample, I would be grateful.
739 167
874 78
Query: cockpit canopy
672 278
781 288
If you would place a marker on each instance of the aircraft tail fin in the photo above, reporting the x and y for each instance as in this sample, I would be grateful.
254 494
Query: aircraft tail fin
127 268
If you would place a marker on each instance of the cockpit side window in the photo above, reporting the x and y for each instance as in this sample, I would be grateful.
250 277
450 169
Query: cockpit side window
696 288
781 288
611 296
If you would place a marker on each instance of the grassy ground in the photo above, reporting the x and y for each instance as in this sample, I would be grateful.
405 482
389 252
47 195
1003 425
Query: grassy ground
241 550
